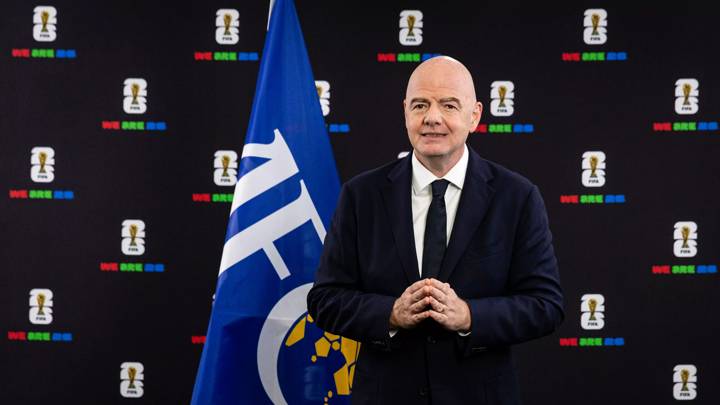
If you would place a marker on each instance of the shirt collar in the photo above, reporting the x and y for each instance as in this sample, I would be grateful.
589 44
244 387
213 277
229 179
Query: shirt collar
422 177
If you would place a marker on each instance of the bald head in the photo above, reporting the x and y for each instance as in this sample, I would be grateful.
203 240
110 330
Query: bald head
442 72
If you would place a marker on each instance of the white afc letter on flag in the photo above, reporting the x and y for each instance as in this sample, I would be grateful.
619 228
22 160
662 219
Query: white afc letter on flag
263 233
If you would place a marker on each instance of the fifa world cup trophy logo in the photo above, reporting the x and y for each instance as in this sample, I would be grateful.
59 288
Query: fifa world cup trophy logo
595 23
227 19
135 89
44 17
411 25
685 236
593 305
133 234
225 165
685 376
43 159
502 91
132 372
593 166
687 88
41 304
319 91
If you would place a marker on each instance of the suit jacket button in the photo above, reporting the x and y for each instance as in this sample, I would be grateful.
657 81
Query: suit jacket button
423 391
431 339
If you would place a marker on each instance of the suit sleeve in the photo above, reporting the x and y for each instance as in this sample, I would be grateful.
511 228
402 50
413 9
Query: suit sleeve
336 301
532 306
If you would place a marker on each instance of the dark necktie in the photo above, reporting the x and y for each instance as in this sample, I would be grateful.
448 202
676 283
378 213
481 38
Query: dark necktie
435 231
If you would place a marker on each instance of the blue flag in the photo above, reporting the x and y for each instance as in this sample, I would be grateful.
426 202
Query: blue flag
262 347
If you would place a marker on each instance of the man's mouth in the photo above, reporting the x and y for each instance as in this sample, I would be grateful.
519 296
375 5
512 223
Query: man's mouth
433 134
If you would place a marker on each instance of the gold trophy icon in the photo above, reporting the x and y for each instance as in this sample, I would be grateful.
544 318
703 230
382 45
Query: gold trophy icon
595 18
411 25
319 91
687 88
593 165
135 89
43 158
225 164
132 372
593 305
685 231
684 376
133 234
502 91
41 303
227 20
44 17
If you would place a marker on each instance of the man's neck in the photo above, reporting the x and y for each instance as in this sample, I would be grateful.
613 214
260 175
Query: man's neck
440 165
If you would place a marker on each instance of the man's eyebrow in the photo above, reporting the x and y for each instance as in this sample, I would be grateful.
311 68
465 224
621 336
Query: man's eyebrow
450 99
442 100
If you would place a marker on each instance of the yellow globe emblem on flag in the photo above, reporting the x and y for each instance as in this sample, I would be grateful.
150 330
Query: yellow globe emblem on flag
326 346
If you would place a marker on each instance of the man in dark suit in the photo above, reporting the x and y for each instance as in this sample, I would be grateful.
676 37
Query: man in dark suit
438 262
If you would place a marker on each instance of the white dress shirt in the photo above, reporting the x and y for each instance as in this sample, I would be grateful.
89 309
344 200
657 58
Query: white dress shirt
421 197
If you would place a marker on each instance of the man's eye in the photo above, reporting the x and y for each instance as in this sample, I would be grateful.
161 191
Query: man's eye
418 106
450 107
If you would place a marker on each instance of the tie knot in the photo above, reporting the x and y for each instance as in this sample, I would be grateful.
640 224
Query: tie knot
439 187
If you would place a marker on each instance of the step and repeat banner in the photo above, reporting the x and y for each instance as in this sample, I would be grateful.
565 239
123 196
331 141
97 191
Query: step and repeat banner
122 129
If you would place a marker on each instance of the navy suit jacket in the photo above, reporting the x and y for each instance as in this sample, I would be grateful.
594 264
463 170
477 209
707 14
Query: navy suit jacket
499 259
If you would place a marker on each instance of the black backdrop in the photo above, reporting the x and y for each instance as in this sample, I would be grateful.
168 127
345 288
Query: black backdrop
102 318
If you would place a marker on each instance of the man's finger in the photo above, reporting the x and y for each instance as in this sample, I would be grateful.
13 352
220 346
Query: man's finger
412 290
444 287
439 317
418 295
420 316
436 293
420 305
436 305
415 286
449 291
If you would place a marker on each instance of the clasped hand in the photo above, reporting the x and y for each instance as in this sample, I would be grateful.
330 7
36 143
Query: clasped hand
430 298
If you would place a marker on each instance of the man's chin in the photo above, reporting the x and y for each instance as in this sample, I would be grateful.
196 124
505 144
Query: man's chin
432 152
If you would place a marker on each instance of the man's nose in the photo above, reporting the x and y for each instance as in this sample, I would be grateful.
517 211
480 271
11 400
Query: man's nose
432 116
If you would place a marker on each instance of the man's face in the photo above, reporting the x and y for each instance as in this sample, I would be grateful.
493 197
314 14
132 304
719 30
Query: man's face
440 110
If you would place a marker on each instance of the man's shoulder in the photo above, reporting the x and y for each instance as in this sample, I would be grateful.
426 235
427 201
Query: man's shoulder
512 191
502 178
374 177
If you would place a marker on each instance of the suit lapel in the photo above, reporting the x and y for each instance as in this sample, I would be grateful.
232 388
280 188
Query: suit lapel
474 202
396 197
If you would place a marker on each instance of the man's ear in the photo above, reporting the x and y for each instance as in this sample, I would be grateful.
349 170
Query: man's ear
477 113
